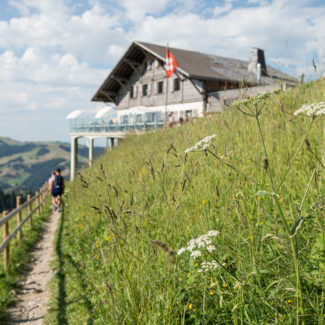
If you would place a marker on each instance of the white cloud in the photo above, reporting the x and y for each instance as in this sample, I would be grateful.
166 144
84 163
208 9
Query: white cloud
218 10
136 10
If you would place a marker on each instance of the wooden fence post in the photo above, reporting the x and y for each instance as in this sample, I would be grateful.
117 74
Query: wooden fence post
18 203
6 250
41 191
29 209
37 202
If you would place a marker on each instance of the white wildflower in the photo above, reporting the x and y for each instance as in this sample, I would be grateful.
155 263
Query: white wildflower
206 266
196 254
195 245
211 248
181 251
203 241
212 233
314 109
202 144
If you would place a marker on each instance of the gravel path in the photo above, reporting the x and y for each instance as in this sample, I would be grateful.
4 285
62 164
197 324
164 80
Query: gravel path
34 295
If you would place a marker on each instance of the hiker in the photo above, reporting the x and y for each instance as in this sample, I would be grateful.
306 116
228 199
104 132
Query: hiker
50 187
58 189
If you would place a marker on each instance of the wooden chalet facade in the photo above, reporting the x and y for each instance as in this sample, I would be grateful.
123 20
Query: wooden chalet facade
201 83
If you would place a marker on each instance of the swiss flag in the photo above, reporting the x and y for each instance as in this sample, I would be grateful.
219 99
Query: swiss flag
171 64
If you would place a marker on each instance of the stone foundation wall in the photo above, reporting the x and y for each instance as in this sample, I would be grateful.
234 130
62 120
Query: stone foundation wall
220 100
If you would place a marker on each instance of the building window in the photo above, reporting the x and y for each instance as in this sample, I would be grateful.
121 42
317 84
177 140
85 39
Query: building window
145 90
160 87
177 84
133 92
125 119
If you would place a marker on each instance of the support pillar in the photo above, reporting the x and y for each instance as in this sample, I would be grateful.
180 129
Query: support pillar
74 157
107 146
112 143
91 150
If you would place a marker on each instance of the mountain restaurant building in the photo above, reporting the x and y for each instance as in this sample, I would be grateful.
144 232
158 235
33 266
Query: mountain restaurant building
202 83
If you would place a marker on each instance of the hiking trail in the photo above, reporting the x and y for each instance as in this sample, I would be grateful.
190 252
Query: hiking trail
32 293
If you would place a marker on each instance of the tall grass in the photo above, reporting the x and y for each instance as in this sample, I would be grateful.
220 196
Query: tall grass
127 217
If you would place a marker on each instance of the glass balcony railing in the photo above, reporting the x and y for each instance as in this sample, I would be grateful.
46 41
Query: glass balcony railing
94 127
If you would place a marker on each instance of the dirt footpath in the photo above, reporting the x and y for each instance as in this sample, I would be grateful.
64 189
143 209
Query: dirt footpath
34 295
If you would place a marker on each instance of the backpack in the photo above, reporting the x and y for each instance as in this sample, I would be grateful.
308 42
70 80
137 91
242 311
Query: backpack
58 182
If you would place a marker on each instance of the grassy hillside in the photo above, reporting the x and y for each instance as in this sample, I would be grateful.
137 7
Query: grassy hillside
261 209
26 165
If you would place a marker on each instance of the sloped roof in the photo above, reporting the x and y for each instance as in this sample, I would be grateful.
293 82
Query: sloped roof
192 64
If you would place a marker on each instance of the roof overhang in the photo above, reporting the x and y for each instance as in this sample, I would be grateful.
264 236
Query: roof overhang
118 77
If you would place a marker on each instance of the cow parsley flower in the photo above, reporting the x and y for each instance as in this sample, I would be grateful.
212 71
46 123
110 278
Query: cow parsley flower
181 251
213 233
211 248
203 242
196 254
208 266
311 110
202 144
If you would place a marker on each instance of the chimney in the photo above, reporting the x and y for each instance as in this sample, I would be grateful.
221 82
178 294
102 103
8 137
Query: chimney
257 57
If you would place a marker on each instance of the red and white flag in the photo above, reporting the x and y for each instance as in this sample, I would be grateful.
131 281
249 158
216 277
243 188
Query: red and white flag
171 64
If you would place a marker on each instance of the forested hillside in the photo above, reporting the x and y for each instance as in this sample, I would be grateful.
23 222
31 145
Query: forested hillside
25 166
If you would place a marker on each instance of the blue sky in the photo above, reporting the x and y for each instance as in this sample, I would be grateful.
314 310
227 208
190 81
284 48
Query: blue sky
54 54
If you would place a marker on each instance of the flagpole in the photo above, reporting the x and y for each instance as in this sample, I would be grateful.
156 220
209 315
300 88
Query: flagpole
166 97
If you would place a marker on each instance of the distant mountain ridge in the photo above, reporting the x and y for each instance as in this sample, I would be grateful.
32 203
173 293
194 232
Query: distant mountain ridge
26 165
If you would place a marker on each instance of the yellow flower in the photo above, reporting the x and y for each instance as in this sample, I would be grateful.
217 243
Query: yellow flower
261 223
258 197
190 306
194 309
280 200
108 238
225 285
142 171
251 238
211 293
203 201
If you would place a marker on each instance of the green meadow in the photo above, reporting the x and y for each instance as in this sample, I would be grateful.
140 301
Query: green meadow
247 207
